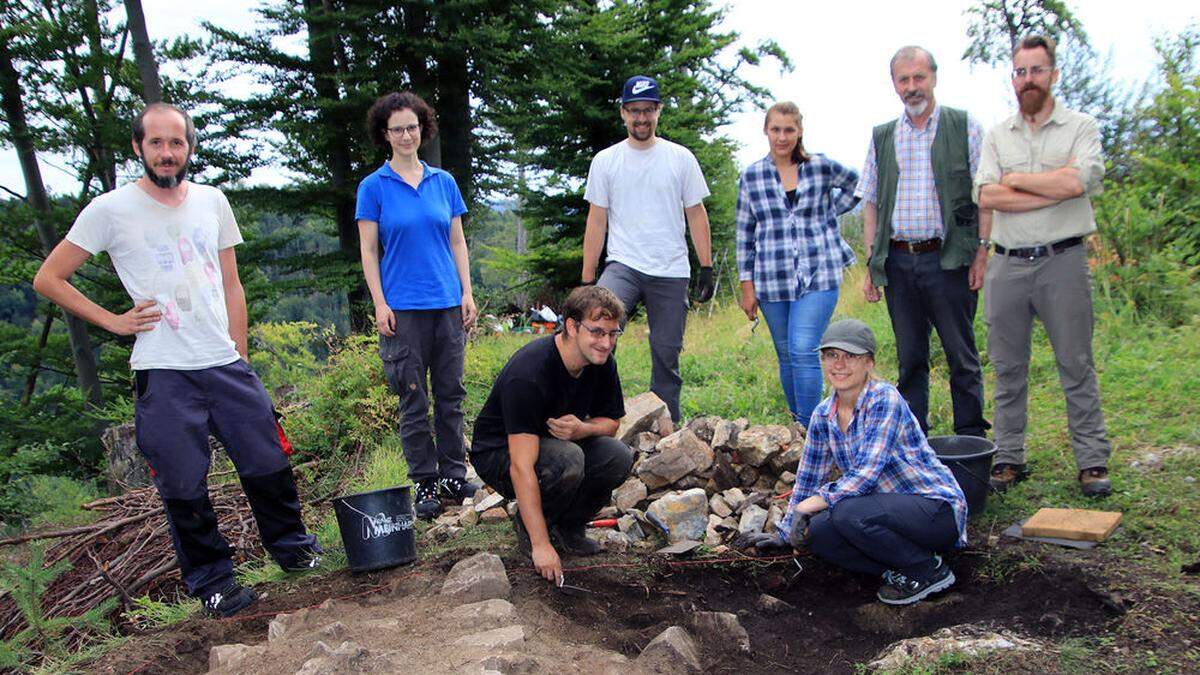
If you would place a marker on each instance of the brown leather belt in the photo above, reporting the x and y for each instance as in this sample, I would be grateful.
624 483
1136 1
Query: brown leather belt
1032 252
923 246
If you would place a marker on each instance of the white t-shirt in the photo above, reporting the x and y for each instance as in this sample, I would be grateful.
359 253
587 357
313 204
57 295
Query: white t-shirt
645 192
168 254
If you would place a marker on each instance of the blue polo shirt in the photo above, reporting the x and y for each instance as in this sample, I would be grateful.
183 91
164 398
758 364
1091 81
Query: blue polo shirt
417 269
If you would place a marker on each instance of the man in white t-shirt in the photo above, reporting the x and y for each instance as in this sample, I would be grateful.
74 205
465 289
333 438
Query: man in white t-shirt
640 191
171 242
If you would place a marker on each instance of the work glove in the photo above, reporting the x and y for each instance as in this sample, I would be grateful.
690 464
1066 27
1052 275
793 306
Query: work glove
762 543
798 537
705 285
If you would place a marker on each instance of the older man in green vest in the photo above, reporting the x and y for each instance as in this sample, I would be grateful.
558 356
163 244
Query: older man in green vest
927 243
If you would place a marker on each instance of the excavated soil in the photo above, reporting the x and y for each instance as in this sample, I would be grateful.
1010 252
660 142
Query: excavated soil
835 623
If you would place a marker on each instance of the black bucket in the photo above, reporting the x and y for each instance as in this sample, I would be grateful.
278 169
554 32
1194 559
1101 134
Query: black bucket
377 528
969 458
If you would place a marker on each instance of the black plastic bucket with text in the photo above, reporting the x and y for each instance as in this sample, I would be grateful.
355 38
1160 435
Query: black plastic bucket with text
377 528
969 458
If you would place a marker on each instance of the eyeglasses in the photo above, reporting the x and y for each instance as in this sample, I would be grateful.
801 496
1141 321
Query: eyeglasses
1035 71
641 112
599 333
398 132
837 355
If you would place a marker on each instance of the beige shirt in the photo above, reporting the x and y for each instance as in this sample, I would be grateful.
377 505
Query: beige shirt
1068 138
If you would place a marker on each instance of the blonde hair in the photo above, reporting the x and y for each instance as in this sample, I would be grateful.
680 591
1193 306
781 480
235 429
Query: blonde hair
799 154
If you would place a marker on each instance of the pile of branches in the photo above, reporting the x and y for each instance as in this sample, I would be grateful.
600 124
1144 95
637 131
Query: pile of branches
126 553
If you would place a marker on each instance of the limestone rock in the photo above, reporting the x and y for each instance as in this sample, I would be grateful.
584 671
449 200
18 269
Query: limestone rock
724 475
629 494
631 527
681 515
704 426
645 441
734 498
468 518
719 506
497 639
789 459
769 604
488 612
231 656
724 436
285 624
495 514
664 425
722 629
967 640
480 577
753 519
641 411
774 515
664 468
491 501
673 651
757 444
691 445
349 657
612 540
747 476
798 432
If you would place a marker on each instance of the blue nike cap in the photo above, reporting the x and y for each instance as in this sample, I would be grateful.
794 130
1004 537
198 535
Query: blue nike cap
640 88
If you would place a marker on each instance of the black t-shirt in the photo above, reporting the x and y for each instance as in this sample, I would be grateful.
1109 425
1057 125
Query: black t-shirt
535 386
790 195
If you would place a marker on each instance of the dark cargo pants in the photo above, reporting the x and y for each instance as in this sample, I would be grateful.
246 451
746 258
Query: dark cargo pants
884 531
174 413
576 478
426 352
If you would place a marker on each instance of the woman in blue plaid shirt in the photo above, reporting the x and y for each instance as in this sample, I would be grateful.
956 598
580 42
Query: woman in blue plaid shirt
895 505
790 252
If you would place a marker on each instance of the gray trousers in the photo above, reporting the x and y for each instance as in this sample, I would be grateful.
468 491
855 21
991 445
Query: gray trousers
1055 289
666 302
428 346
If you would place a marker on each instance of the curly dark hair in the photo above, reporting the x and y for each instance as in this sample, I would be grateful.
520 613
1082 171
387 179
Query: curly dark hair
382 109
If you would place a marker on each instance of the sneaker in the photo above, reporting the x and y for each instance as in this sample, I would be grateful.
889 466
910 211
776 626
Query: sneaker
457 489
574 540
310 560
898 589
1005 476
1094 482
523 542
229 600
428 506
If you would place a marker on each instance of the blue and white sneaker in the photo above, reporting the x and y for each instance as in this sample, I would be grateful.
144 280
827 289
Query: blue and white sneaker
898 589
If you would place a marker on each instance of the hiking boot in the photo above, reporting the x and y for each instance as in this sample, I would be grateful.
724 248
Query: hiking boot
574 540
899 589
428 506
457 489
306 561
1005 476
523 543
1094 482
229 600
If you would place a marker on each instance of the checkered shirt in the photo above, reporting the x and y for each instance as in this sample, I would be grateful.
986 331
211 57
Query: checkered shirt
917 214
788 252
883 450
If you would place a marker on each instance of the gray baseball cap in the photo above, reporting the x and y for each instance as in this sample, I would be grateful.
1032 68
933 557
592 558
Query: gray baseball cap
849 335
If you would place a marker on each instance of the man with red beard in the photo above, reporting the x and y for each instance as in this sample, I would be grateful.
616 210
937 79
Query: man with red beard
1037 171
167 237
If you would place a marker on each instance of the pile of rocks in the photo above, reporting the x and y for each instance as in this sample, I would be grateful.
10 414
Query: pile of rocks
704 483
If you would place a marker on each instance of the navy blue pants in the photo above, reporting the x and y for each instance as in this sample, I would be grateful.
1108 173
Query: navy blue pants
175 411
922 296
884 531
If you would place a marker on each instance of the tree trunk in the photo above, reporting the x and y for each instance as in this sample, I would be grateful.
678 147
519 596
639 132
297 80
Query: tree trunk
86 373
454 118
32 378
143 52
332 116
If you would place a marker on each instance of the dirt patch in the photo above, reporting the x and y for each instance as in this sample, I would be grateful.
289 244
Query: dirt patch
835 624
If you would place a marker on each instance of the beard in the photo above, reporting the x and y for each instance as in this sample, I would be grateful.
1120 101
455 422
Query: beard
916 105
641 133
1031 98
168 181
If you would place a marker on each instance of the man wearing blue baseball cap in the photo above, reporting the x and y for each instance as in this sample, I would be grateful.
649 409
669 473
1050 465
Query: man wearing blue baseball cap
640 192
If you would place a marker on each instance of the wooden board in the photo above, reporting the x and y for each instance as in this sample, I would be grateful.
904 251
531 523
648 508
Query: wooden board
1077 524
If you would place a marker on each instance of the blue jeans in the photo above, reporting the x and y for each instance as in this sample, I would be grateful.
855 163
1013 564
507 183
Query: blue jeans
796 328
884 531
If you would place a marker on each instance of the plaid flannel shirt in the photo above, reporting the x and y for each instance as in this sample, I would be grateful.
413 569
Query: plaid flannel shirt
918 213
788 252
882 450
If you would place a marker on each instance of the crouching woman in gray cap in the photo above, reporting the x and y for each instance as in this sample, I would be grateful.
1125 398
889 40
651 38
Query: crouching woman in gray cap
895 506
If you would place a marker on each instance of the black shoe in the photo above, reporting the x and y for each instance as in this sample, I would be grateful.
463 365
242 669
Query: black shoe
428 506
523 543
1006 475
898 589
1094 482
457 489
307 561
574 540
229 600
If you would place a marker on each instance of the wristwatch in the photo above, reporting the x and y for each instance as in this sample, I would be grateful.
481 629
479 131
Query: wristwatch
985 242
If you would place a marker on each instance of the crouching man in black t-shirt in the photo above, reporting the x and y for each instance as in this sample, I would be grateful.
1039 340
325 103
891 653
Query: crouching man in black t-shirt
545 435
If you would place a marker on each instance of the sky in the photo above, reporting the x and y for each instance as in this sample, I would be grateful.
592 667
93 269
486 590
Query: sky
840 52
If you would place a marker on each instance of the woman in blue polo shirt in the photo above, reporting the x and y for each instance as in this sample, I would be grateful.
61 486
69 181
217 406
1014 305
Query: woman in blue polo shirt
790 253
421 289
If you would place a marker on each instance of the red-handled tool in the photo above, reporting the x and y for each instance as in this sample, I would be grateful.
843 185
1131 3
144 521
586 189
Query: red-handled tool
603 522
